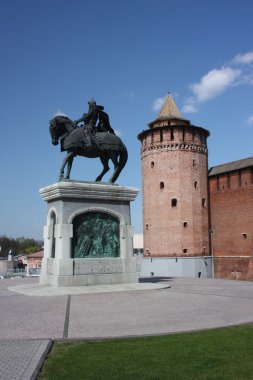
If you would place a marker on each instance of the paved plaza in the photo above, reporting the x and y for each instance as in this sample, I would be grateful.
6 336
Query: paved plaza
30 321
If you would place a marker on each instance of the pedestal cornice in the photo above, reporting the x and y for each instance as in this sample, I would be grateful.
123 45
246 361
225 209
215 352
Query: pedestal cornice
87 190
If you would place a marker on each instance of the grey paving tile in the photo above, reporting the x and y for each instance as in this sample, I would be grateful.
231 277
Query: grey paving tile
22 359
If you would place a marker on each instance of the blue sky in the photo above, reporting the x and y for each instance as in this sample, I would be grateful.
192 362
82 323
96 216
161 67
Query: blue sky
55 55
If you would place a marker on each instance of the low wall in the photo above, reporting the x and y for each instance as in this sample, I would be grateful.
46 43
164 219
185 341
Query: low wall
198 267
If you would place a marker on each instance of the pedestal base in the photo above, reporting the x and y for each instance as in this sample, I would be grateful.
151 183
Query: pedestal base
70 201
83 272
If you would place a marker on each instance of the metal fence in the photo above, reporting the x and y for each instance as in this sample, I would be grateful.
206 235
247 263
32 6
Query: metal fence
20 273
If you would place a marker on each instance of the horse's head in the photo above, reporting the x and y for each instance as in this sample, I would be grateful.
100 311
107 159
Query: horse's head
53 129
60 125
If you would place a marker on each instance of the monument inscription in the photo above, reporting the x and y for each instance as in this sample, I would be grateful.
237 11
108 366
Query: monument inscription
98 266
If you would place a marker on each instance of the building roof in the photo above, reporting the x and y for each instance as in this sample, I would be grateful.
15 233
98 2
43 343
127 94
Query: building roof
169 111
38 255
231 166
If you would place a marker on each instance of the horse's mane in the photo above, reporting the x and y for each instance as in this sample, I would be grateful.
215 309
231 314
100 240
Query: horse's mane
63 119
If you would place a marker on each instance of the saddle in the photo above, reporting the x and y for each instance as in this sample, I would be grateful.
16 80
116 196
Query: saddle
84 139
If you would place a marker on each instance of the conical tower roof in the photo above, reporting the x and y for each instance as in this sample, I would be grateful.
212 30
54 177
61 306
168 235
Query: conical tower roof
170 113
169 109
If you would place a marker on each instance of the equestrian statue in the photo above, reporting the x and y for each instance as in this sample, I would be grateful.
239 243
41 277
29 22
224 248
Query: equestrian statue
95 138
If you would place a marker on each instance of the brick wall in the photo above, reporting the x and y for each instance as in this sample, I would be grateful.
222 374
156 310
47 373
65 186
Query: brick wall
231 204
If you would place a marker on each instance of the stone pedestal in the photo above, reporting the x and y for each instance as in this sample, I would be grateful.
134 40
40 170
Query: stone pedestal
67 202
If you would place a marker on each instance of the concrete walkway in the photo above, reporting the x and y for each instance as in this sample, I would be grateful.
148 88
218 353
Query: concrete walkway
188 304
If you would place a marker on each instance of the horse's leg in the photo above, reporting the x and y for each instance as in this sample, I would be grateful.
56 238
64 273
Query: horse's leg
70 162
104 160
61 176
114 158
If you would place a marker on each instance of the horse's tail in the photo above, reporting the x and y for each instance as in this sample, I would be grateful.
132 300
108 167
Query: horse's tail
123 156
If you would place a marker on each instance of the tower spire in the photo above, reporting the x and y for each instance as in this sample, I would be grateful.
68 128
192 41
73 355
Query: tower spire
169 114
169 109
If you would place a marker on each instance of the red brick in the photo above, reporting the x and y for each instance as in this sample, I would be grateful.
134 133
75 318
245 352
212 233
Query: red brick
177 156
231 200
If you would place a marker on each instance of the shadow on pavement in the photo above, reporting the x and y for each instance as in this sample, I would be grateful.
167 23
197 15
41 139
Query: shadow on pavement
155 279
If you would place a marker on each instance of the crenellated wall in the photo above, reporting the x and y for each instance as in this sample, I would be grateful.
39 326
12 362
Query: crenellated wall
231 199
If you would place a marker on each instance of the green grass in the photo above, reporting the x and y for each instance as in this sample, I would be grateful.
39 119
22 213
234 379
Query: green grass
214 354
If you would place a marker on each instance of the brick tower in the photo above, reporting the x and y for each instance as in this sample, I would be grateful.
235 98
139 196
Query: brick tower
175 195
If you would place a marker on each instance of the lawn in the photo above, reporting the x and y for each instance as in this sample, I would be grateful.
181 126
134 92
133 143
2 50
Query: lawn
214 354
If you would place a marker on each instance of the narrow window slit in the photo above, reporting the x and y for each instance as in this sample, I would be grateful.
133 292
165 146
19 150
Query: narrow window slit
174 202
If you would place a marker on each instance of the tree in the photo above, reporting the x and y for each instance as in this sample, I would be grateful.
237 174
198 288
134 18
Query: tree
19 245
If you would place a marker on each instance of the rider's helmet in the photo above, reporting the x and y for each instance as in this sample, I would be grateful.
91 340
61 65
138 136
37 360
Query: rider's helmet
92 103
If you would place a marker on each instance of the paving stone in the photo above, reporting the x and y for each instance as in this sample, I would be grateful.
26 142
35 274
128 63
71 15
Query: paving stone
22 359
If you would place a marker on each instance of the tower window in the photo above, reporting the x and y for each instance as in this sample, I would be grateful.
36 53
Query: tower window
185 224
203 202
171 134
174 202
161 185
152 164
195 184
147 226
185 250
161 135
244 235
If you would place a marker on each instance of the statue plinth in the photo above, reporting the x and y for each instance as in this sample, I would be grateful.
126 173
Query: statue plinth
88 236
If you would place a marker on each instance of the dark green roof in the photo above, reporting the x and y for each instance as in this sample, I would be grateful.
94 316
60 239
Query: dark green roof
231 166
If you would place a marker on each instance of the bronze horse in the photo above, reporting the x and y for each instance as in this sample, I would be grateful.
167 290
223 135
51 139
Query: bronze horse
84 142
